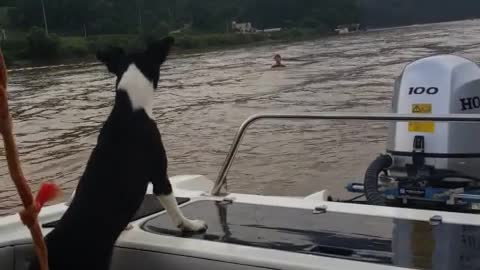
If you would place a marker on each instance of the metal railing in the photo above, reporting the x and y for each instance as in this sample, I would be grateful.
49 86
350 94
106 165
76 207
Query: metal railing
221 179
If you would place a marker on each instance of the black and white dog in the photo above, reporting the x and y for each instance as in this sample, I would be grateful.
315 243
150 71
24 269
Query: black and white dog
129 155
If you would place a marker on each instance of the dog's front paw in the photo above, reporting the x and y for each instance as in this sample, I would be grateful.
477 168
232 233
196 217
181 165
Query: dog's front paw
196 225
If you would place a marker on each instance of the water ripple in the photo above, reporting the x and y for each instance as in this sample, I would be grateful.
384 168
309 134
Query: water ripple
203 98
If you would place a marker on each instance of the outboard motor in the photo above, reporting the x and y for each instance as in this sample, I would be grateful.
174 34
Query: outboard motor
431 164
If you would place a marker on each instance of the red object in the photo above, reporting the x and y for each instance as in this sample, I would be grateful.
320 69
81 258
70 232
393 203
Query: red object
32 207
48 192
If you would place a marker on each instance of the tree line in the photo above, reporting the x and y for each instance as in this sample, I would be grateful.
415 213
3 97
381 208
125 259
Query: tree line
132 16
131 22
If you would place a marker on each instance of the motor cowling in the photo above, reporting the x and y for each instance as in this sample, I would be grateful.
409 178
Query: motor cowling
444 84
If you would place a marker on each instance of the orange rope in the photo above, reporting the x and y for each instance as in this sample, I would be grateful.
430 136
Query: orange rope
29 215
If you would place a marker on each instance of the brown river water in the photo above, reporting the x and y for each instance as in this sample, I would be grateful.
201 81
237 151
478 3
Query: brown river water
203 98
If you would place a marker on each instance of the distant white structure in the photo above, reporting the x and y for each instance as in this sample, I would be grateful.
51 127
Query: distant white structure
243 27
184 28
3 34
341 31
347 28
270 30
248 28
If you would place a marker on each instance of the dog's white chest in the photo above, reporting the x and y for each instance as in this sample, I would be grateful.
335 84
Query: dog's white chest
139 89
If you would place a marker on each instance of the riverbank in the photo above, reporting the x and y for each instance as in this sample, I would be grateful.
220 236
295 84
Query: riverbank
21 52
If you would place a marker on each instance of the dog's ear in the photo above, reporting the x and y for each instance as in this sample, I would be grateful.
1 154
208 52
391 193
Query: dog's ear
160 49
112 57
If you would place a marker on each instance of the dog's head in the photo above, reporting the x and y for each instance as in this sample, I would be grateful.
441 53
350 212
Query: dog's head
129 67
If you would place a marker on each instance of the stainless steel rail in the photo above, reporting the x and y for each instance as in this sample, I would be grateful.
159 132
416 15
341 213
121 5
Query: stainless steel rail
221 179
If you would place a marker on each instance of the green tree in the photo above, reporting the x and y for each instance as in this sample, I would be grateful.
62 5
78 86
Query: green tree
127 16
39 45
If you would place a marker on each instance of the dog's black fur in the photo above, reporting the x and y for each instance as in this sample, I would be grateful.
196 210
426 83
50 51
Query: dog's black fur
128 156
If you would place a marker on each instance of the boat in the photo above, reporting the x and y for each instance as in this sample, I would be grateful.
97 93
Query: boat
393 229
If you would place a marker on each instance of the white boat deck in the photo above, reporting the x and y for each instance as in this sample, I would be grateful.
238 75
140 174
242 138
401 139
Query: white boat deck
142 249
